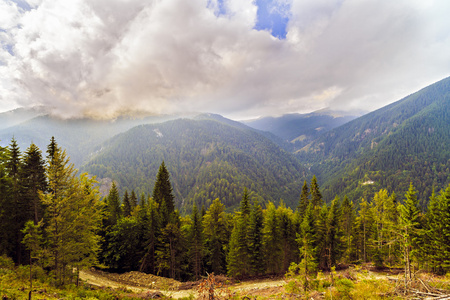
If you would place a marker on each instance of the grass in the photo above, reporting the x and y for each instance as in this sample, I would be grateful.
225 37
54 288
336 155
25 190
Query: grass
15 284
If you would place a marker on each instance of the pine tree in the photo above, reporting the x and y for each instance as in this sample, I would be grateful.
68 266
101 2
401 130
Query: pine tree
196 250
254 240
316 196
410 226
126 205
162 194
16 206
364 230
289 246
34 180
113 209
347 225
216 234
152 232
307 240
272 240
334 235
73 217
6 245
133 200
238 260
304 199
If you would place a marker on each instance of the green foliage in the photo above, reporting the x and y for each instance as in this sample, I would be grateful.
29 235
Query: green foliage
403 142
207 159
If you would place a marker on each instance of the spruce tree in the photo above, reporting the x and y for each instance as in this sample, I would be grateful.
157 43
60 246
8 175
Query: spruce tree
254 240
272 240
162 194
347 225
307 240
216 234
410 226
238 260
126 205
334 234
316 196
73 217
304 199
34 180
16 206
133 200
196 250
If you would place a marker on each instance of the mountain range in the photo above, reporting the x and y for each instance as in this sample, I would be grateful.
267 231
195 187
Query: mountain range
211 157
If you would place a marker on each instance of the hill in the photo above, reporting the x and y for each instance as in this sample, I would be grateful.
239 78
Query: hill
206 158
78 136
301 129
404 142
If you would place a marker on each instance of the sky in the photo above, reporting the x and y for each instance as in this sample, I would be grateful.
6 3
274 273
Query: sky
239 58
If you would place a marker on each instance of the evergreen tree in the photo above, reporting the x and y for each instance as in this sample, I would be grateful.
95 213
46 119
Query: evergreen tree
289 246
152 232
33 180
113 209
216 234
272 240
410 226
254 240
434 233
162 194
196 250
316 196
73 217
347 225
304 199
364 230
321 242
133 200
334 235
307 240
16 206
6 245
238 258
126 205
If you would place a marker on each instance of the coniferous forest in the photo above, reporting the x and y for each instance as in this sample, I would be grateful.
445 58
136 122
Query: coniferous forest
55 218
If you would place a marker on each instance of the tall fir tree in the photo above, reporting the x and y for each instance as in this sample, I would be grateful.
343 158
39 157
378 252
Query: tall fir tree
304 199
316 195
196 242
73 217
307 239
216 234
347 225
126 205
254 240
238 260
34 180
410 227
334 234
16 205
272 240
163 195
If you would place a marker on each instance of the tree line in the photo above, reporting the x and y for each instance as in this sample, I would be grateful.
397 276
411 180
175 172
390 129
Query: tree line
55 218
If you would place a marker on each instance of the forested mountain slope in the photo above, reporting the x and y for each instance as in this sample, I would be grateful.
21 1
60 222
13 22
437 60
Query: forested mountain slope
78 136
207 159
301 129
407 141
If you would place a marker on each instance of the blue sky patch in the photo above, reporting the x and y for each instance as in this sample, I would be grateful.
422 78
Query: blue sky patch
273 16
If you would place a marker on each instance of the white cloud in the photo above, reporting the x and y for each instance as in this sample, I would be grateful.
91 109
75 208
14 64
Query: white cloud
104 57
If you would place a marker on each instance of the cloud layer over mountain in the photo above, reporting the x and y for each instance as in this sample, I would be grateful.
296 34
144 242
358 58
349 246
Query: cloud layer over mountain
102 58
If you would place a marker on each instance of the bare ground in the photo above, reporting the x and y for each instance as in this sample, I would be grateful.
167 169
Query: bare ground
139 283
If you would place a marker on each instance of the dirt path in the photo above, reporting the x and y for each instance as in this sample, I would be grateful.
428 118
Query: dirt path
250 286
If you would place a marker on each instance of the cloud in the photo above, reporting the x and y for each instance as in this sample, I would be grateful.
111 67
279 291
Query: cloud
102 58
